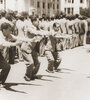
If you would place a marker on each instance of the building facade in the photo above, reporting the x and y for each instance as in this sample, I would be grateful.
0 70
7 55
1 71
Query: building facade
73 6
48 7
88 4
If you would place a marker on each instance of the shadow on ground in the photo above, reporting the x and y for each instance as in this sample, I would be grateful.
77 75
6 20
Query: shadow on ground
9 85
48 76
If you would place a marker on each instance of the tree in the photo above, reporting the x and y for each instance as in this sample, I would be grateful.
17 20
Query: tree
85 12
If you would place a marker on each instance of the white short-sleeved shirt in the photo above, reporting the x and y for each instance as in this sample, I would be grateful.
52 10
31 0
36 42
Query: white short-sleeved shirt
20 26
62 23
3 42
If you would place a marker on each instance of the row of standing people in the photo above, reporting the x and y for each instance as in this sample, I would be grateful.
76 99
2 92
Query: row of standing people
44 37
59 34
28 43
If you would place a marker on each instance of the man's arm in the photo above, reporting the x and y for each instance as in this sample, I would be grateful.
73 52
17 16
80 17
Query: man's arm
23 39
9 44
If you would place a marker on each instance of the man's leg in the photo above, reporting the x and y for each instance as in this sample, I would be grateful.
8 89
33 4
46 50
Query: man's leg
68 43
36 63
57 60
71 43
82 40
5 69
64 44
50 60
12 53
77 40
30 65
19 53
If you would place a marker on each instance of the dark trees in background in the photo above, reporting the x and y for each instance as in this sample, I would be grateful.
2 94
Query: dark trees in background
85 12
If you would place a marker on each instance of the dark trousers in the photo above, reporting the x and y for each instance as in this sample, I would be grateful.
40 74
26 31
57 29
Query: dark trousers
5 69
32 63
53 60
12 53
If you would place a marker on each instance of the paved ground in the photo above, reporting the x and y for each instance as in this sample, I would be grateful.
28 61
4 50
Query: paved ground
72 83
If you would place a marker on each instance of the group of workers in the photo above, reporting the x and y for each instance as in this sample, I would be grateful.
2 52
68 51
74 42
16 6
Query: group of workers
29 37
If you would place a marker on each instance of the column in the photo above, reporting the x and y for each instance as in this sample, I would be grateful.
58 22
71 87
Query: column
46 7
41 2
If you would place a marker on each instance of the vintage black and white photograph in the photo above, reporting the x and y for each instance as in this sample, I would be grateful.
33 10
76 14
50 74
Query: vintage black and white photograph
44 49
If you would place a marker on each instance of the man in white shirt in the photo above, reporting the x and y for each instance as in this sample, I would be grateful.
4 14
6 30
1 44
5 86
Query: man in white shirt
62 23
51 50
20 28
4 42
30 51
84 30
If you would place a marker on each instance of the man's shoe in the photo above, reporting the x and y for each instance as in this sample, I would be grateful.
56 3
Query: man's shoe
27 78
2 86
57 70
37 77
49 71
33 78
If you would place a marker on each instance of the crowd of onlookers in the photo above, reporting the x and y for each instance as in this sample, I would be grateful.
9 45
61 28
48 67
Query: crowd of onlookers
27 37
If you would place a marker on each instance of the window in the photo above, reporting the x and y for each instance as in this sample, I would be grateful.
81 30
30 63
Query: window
72 10
43 4
80 9
65 1
89 4
65 10
68 10
69 1
48 5
81 1
53 6
72 1
57 6
38 4
32 2
1 1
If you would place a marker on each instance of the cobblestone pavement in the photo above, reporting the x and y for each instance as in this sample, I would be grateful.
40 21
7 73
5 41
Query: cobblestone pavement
72 83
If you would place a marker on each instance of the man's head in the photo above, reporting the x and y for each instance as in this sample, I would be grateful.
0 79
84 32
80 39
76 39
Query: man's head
56 26
35 21
9 17
76 16
2 13
6 28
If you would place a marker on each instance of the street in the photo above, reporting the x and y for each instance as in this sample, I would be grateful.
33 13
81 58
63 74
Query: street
71 83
